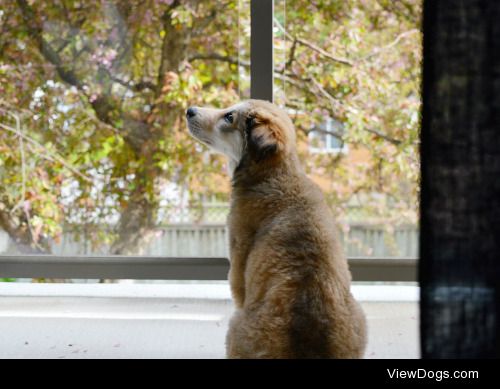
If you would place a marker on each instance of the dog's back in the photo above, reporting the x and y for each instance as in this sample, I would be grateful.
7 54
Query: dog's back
296 302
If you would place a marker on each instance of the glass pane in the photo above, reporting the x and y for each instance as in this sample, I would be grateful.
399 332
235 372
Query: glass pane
95 157
357 65
244 44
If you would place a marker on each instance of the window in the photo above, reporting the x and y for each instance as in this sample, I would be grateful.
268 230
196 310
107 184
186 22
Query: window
327 138
353 92
95 160
95 157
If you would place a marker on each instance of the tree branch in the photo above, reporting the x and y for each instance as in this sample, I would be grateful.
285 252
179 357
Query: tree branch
292 55
293 80
334 104
386 137
48 153
390 45
312 46
335 134
343 61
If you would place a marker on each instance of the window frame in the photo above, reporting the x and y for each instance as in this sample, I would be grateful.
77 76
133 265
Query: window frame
176 268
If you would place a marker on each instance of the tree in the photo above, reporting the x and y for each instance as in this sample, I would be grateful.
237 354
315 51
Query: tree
114 80
93 96
359 62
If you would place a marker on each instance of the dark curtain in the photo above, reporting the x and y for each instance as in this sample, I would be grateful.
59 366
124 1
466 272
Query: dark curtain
460 203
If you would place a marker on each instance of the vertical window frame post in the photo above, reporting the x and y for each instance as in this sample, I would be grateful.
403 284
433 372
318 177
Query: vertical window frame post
262 50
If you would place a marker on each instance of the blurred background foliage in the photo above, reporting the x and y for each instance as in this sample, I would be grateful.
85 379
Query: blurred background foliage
93 94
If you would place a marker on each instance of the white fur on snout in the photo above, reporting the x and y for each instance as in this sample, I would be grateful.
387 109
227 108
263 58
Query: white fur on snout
231 145
205 128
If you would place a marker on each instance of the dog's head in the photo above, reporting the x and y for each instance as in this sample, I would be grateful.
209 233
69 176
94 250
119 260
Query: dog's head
254 129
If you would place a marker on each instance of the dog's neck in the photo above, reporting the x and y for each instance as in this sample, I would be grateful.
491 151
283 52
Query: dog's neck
247 174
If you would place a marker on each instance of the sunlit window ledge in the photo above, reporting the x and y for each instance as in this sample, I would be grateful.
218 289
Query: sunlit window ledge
176 320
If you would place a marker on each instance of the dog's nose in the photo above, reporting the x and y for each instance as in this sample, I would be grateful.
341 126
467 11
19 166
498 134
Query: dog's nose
190 112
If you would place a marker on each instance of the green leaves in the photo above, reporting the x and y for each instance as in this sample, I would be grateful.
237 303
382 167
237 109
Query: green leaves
119 133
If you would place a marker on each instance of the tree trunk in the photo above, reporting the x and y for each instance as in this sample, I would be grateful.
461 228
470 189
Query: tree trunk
138 222
460 237
21 234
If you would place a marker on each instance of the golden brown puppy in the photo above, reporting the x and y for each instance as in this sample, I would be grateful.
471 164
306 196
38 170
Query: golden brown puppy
289 278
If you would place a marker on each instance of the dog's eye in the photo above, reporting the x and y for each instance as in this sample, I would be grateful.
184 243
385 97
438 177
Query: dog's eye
228 117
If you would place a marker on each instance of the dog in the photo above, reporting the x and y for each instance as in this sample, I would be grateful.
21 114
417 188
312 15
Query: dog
289 278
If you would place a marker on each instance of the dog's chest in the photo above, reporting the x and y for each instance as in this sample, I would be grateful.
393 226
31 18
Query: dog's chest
241 233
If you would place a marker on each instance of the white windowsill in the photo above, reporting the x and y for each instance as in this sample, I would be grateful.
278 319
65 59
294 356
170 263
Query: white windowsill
165 320
201 290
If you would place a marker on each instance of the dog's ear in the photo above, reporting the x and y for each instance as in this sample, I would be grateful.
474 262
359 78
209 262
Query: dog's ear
264 137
